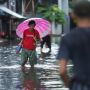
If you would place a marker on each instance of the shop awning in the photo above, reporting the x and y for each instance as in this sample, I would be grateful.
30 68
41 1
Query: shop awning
5 9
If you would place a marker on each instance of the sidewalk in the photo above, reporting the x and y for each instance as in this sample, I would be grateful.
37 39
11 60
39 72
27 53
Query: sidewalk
4 42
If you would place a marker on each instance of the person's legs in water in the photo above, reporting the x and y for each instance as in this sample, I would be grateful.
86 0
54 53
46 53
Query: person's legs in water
32 57
48 42
24 57
42 43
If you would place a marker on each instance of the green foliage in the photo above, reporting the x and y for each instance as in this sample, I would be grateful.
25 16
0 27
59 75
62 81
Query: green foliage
52 13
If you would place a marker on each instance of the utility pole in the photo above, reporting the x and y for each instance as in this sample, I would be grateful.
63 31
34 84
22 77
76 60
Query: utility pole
23 10
59 28
63 4
33 7
65 8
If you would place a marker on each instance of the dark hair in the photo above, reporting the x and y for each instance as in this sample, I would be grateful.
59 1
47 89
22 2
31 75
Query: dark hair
31 22
82 9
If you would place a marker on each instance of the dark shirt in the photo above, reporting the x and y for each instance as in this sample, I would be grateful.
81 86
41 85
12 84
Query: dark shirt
76 47
72 24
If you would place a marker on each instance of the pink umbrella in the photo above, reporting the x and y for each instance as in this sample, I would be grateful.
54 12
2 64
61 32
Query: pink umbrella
42 26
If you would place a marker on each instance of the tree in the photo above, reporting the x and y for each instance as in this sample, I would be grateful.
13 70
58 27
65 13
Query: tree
52 13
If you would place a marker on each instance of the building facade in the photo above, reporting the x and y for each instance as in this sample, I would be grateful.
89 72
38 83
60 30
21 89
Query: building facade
9 18
26 8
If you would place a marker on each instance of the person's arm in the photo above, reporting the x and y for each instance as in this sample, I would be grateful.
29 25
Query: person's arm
20 42
38 36
63 71
63 58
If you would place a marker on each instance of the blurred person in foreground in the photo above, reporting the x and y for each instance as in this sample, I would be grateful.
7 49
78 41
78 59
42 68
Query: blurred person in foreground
75 46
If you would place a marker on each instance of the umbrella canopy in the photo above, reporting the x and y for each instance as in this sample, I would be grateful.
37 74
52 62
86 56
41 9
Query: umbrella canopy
42 26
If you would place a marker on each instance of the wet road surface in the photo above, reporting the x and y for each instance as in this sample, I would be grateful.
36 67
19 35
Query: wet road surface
44 76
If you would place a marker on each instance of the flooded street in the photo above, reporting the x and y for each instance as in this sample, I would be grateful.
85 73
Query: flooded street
44 76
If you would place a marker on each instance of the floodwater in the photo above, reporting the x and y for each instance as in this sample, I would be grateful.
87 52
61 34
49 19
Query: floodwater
44 76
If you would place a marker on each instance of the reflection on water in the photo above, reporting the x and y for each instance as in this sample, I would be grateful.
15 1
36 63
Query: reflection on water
10 79
44 76
30 79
